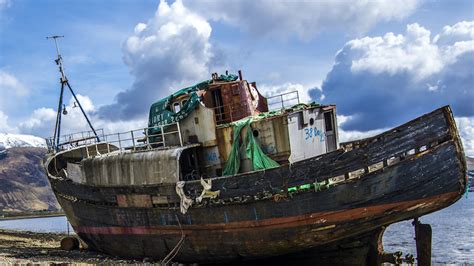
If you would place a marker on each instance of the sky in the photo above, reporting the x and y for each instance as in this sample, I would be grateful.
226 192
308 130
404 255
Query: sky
382 63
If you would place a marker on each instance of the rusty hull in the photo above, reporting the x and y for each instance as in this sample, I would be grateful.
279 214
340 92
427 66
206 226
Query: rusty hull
256 216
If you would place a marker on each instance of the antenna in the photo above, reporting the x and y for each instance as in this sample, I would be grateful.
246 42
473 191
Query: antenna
64 81
59 61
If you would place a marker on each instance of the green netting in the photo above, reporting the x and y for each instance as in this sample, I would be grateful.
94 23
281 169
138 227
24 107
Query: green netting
253 151
161 112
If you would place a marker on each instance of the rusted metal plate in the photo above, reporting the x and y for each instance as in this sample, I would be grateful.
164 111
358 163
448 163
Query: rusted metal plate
139 201
273 137
224 134
159 199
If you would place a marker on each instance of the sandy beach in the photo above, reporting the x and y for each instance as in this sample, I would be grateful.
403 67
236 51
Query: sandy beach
17 247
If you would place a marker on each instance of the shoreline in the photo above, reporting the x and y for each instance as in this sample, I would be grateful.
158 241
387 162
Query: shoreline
26 247
32 216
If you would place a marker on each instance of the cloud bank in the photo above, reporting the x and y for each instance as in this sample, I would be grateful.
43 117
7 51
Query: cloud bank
303 19
169 51
173 49
386 80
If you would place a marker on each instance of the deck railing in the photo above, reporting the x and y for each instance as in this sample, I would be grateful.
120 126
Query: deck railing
138 139
232 112
282 101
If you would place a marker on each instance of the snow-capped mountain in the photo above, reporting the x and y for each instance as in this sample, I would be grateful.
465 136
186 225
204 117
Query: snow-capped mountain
17 140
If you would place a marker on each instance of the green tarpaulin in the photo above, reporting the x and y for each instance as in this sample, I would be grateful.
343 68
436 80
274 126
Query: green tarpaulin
161 112
252 150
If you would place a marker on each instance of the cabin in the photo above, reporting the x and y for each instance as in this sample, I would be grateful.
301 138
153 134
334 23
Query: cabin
288 135
193 132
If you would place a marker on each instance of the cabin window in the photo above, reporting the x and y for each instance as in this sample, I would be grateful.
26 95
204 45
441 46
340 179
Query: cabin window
176 107
218 105
184 102
328 121
235 89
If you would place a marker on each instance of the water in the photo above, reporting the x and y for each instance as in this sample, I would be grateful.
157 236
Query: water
47 224
453 232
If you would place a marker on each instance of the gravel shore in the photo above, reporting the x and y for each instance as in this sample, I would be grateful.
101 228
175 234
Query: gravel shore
18 247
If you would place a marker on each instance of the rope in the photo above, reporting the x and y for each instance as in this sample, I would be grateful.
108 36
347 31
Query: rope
185 202
172 254
206 191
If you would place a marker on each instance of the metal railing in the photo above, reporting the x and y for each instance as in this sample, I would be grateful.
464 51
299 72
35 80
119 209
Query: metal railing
75 139
138 139
282 101
232 112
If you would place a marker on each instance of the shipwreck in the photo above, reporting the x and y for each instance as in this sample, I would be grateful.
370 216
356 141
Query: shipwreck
222 173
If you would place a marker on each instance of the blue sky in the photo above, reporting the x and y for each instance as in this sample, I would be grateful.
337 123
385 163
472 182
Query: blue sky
381 62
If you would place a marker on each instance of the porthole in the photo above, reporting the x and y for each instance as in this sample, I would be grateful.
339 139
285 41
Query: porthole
255 133
311 121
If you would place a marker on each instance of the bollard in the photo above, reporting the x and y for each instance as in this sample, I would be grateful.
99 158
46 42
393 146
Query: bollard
69 243
423 235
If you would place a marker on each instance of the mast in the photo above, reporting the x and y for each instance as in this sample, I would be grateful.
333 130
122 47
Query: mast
64 82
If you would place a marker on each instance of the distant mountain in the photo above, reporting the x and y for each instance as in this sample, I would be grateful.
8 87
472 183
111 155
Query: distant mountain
470 172
17 140
23 183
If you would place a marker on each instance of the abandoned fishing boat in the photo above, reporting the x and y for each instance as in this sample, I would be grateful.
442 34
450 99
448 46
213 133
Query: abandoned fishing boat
220 174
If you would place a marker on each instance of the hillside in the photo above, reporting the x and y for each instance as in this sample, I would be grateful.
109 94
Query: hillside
23 183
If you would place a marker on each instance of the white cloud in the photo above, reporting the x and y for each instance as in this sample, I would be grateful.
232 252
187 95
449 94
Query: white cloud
304 19
10 84
4 126
460 31
12 93
173 50
413 53
351 135
273 90
383 81
41 122
168 52
85 102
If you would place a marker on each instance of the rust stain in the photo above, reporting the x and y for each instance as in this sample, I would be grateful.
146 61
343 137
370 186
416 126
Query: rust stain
139 201
332 217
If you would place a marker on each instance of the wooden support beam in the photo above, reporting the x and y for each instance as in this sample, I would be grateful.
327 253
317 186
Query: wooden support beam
423 235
